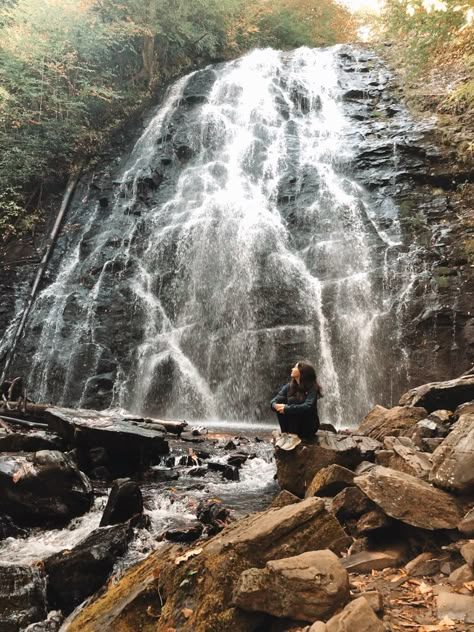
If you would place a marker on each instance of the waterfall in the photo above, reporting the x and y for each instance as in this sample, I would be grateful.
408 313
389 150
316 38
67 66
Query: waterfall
237 239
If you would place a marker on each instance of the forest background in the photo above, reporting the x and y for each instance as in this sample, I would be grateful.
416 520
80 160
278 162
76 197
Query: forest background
72 72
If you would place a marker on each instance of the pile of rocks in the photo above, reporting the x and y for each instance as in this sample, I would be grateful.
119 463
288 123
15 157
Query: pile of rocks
50 476
395 493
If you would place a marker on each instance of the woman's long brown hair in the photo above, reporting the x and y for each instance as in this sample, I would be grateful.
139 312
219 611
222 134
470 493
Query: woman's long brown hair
308 381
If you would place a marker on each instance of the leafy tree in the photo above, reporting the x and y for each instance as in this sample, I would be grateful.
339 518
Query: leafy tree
71 71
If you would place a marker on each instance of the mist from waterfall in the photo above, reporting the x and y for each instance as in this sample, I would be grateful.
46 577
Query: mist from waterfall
255 246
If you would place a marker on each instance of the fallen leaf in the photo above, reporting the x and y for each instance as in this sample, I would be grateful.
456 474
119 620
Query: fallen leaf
397 578
186 612
424 588
187 556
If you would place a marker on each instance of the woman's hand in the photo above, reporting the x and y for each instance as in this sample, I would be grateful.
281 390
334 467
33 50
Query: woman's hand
280 408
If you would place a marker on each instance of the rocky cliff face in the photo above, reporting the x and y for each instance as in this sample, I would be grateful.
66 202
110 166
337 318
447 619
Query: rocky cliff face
142 303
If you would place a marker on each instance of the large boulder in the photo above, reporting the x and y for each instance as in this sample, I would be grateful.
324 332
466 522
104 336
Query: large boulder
202 580
297 468
441 395
277 533
409 499
453 460
383 422
22 597
42 487
131 444
75 574
303 588
125 501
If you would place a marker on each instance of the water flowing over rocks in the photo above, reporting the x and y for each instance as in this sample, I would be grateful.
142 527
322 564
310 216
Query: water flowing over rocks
22 597
296 174
77 574
42 487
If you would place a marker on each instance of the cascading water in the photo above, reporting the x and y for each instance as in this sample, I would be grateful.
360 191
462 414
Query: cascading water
238 240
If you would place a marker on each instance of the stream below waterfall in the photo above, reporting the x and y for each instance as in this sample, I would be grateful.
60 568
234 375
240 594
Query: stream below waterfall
168 504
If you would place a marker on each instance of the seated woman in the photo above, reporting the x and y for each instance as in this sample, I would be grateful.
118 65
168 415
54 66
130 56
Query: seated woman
296 406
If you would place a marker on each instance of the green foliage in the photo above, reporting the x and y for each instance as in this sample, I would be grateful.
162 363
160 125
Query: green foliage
435 41
13 219
425 27
71 71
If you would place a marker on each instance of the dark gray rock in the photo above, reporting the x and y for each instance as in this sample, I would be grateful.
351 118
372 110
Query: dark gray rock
42 487
125 502
231 473
8 529
160 475
237 460
98 456
130 445
198 472
184 534
76 574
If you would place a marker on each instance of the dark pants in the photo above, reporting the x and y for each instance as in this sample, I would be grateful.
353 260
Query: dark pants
296 426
